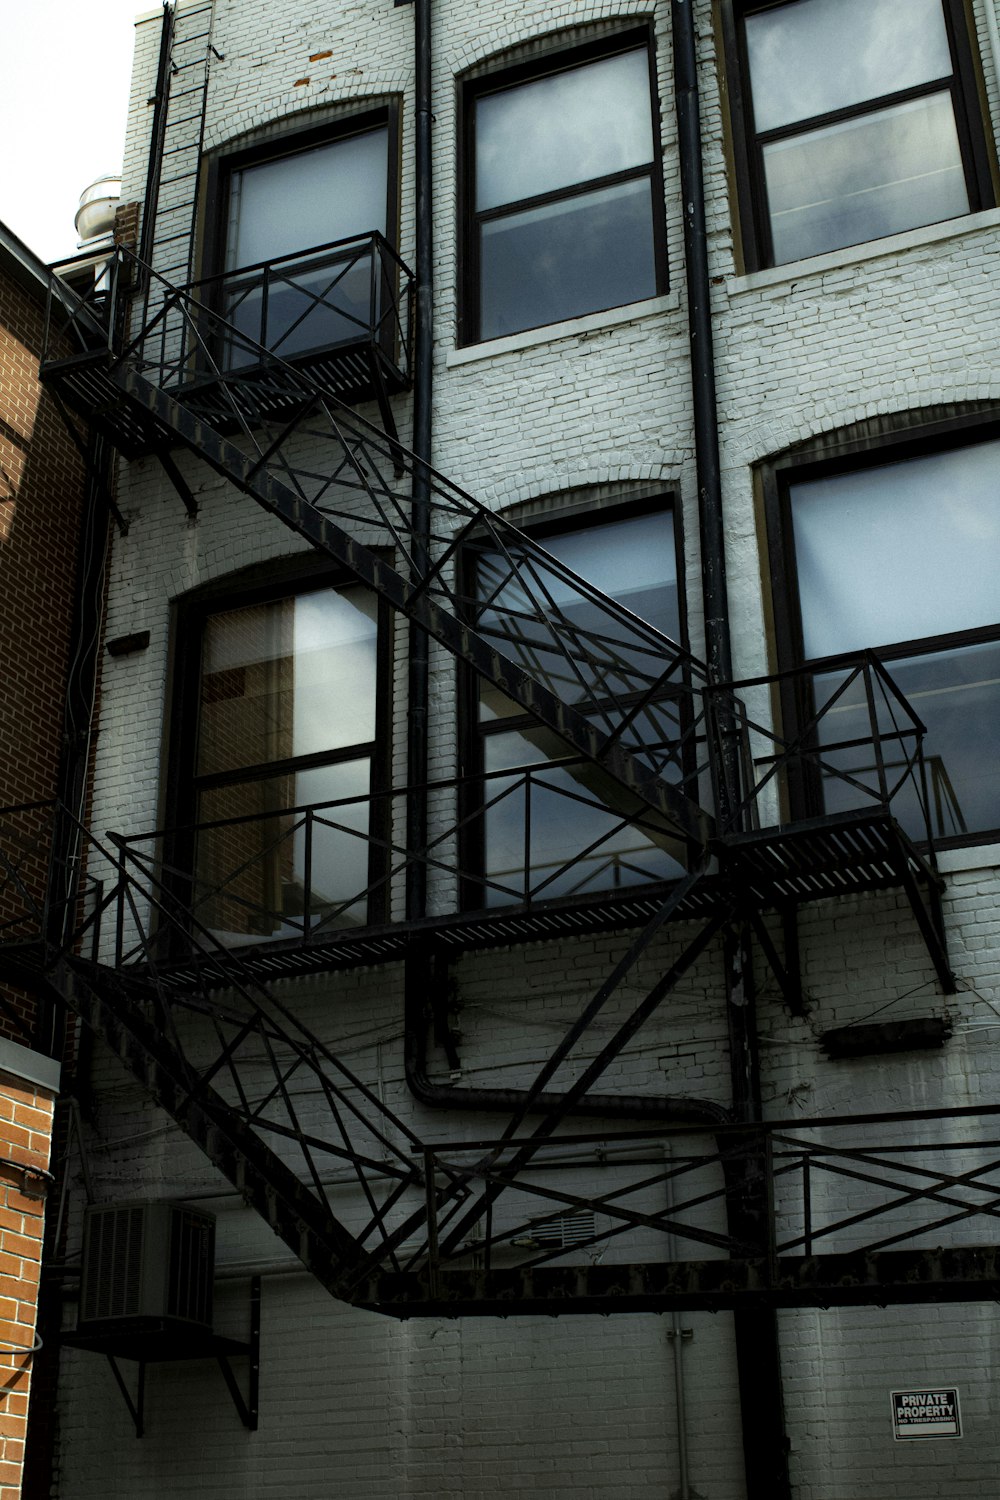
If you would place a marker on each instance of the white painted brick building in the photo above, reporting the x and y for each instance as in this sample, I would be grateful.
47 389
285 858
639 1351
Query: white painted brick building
851 242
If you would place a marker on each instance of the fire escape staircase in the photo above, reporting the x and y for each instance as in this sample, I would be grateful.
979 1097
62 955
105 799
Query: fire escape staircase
241 1072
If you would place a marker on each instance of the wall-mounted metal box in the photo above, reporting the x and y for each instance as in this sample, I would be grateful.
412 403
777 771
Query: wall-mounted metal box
147 1261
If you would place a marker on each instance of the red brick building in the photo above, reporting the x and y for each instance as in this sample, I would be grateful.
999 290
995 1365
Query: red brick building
41 507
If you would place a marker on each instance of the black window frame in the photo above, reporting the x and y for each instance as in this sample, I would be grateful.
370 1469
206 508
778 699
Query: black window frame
866 446
555 57
968 101
277 144
474 734
266 584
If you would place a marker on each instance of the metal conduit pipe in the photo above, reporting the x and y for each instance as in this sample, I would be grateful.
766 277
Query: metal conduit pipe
420 967
423 976
78 720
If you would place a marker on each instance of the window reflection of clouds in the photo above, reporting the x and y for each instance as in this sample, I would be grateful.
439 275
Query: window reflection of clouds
308 198
335 648
874 547
861 179
820 55
584 123
339 862
559 260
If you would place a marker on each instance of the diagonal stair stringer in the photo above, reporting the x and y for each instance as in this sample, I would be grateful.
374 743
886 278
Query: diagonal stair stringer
685 817
99 996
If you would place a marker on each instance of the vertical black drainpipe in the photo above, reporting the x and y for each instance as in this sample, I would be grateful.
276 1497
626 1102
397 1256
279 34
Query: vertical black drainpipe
418 684
756 1332
423 374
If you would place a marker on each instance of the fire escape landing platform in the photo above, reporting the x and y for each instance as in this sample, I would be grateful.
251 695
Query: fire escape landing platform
861 1278
343 323
773 869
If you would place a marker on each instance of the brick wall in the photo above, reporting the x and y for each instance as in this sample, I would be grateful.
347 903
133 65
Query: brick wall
25 1142
40 509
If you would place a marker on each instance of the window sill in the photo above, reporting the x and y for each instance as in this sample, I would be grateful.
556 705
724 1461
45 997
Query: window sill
532 338
894 244
973 857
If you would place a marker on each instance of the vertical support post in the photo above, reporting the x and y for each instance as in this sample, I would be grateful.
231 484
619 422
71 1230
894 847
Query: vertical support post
883 785
253 1393
807 1215
307 873
432 1224
770 1226
758 1352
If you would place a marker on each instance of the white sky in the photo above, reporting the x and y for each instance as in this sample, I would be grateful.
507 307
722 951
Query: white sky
64 80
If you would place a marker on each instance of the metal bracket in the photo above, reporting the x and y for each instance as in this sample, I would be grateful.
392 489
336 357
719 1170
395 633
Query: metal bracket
137 1407
248 1409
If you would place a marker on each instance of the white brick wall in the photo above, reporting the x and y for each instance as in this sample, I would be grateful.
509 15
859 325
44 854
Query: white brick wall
357 1406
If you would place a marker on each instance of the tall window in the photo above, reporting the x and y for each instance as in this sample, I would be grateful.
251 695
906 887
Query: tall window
296 252
901 557
285 713
563 196
550 824
860 119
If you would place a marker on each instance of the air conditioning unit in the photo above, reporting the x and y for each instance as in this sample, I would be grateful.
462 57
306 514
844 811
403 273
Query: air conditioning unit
147 1264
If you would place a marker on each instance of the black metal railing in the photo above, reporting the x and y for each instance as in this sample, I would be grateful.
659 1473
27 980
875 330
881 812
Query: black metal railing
352 292
86 308
344 292
316 871
916 1180
854 742
558 830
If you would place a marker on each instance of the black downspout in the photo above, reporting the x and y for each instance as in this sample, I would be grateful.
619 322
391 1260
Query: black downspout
758 1353
418 960
423 377
706 423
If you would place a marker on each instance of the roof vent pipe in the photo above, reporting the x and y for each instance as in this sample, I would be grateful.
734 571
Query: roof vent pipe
95 224
95 218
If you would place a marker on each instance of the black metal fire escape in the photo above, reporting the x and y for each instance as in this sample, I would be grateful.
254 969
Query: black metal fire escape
471 1226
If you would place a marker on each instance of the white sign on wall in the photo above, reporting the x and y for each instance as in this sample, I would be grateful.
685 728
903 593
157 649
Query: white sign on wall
925 1414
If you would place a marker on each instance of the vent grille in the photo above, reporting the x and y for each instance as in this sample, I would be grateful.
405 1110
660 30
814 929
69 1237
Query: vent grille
112 1263
189 1295
566 1230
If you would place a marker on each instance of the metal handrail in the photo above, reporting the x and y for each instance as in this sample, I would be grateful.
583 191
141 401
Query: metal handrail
805 752
259 855
98 319
613 856
820 1191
